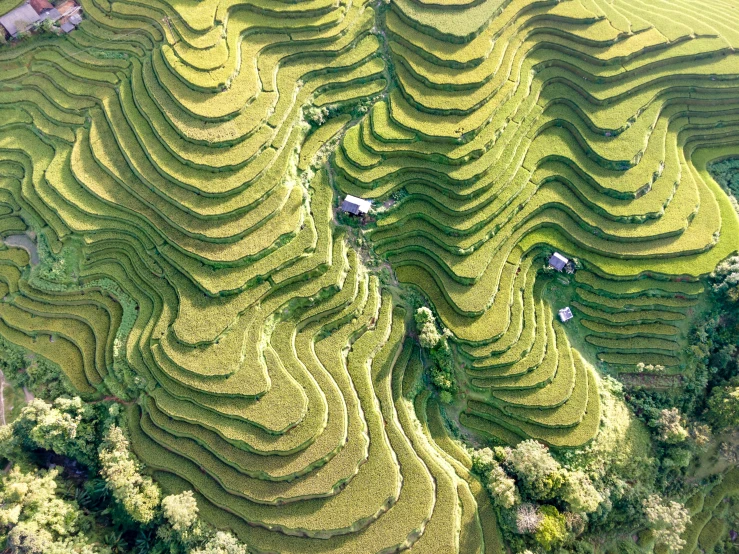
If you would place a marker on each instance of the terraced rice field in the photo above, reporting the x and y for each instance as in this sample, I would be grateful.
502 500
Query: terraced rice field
185 209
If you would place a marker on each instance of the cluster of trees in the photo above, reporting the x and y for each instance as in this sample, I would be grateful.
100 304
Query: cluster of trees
73 485
685 420
435 342
726 173
545 505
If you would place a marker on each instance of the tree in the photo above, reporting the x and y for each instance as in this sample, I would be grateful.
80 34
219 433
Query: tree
726 278
723 405
428 334
670 426
67 427
34 520
668 519
180 511
138 495
701 434
502 488
534 466
552 530
222 543
528 518
580 493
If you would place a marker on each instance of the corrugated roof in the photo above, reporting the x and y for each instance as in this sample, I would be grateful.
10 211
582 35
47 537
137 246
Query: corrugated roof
565 314
558 261
19 19
355 205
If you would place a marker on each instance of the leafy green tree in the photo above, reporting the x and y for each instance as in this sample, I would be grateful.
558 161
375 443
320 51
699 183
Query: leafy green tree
723 405
580 493
536 468
668 519
552 531
670 426
35 520
180 511
428 334
138 494
483 461
502 488
67 427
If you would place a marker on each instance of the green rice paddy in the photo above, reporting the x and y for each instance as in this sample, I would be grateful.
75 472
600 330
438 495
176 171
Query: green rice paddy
180 165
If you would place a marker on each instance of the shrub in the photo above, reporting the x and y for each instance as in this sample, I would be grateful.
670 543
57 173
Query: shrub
446 397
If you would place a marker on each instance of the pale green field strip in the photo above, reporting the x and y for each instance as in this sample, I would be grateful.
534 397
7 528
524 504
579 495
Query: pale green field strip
626 317
631 359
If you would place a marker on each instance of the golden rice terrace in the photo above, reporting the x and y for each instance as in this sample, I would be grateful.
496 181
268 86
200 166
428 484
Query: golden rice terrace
179 166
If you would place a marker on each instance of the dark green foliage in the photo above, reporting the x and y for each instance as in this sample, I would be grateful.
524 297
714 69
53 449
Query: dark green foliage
726 173
43 378
68 427
723 405
441 371
74 506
